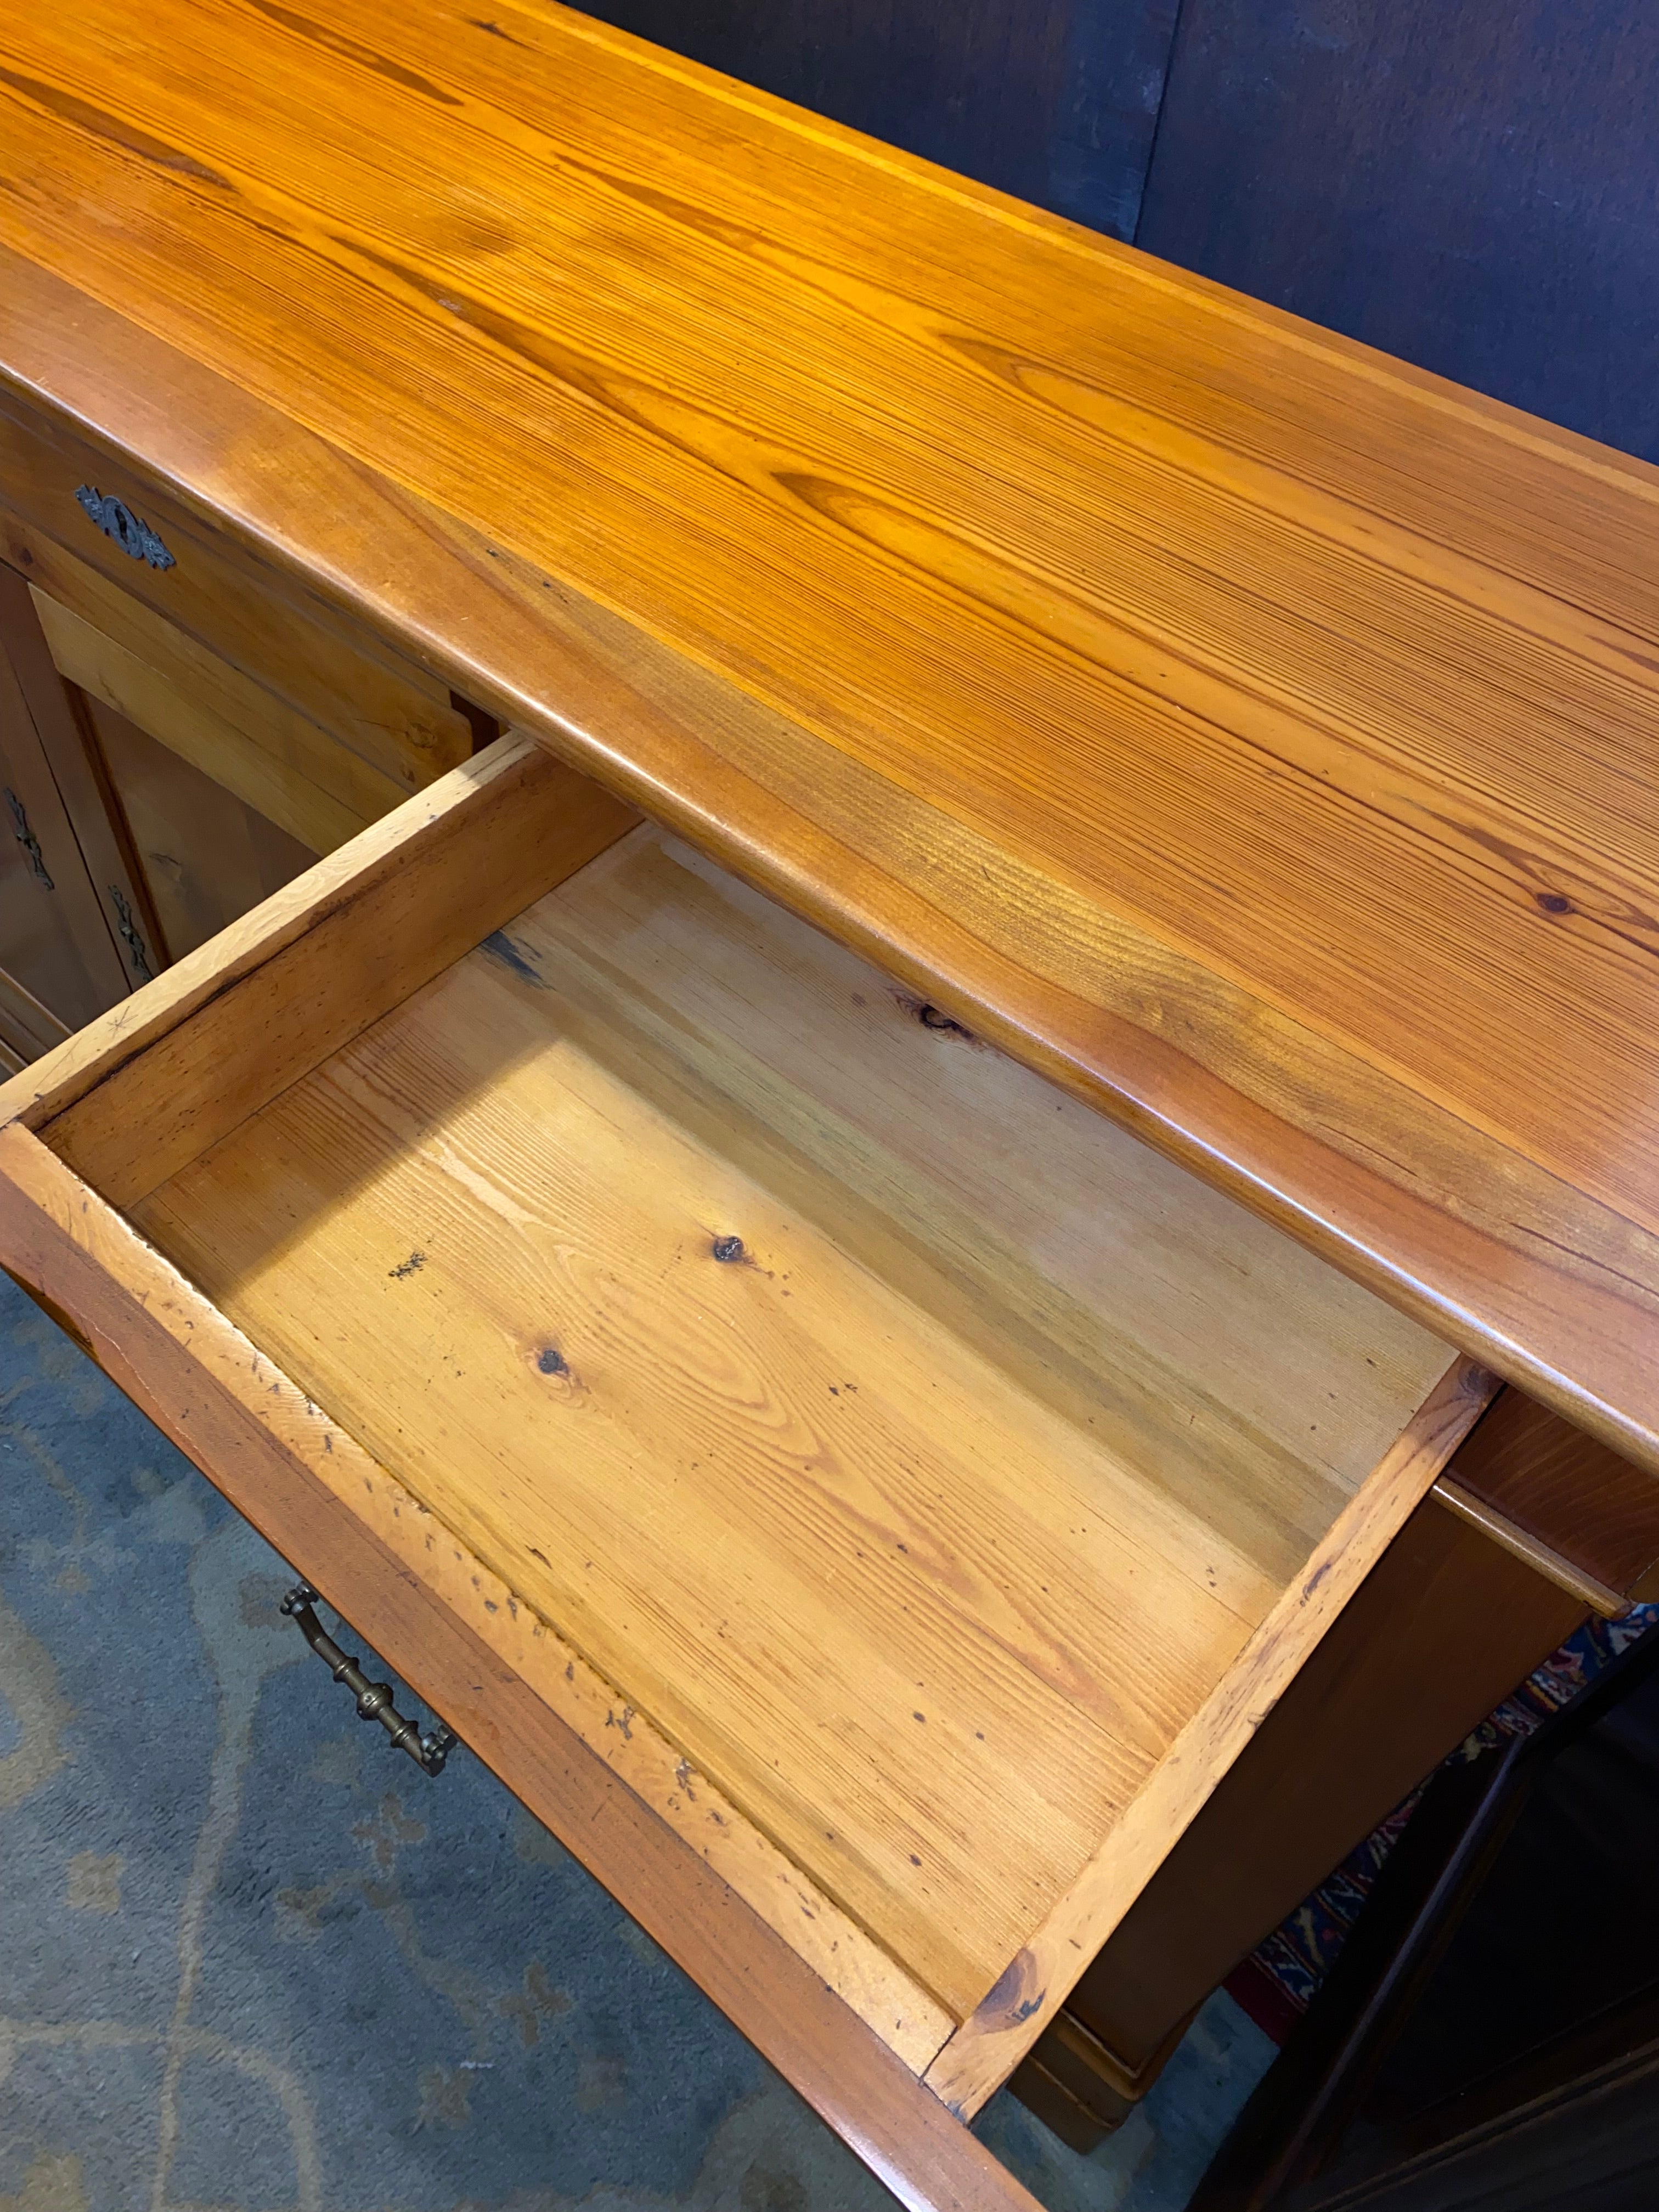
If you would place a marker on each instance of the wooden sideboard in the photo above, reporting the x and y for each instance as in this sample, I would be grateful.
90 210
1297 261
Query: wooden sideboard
962 1252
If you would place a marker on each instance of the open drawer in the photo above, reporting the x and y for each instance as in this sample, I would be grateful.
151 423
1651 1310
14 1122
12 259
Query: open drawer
862 1498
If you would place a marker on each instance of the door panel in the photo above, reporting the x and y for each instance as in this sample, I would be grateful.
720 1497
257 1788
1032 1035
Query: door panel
55 941
205 857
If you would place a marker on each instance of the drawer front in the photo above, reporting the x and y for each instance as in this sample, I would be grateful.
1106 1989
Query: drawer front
395 715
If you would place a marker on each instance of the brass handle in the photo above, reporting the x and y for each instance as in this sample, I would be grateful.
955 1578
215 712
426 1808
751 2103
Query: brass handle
375 1703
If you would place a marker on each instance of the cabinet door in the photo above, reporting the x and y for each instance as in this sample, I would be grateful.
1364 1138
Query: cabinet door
57 942
123 855
203 855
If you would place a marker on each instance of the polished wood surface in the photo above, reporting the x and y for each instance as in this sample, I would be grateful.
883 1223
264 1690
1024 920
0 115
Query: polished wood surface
926 1515
451 1632
1252 732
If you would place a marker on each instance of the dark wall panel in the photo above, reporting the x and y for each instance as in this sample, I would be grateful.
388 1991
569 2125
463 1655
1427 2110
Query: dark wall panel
1054 99
1471 184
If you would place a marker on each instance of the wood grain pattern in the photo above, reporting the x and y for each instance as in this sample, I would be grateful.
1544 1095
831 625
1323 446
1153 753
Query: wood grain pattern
317 1497
1250 730
920 1493
988 2046
204 856
1564 1489
1070 1248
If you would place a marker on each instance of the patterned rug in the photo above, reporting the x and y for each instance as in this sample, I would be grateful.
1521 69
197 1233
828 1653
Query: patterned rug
1278 1981
251 1960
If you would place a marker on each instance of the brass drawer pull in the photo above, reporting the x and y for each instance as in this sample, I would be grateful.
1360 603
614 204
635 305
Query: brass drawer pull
117 520
375 1703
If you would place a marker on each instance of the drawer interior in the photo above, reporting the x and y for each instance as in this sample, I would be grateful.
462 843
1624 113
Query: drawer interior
912 1447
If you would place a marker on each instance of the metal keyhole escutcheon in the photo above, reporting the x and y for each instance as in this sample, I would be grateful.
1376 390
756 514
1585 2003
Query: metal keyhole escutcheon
129 531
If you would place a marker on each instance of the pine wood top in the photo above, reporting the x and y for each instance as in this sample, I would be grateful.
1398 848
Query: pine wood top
913 1448
1257 734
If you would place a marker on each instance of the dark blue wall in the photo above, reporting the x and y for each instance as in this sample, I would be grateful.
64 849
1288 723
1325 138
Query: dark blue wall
1471 184
1054 99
